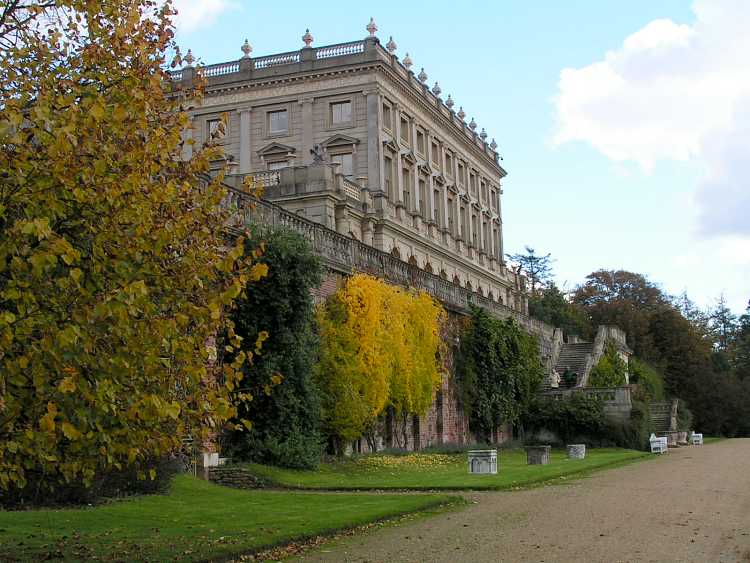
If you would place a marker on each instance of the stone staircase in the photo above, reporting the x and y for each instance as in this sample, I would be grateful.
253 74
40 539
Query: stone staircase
574 357
661 416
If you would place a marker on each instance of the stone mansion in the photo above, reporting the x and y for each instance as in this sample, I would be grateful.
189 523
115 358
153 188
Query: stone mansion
349 136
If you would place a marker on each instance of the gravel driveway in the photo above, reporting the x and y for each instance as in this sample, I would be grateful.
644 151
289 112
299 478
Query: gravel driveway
692 504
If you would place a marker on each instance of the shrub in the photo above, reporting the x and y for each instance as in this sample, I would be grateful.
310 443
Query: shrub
650 383
578 417
610 371
634 433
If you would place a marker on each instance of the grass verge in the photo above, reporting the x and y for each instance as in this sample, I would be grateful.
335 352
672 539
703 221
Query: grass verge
196 520
440 471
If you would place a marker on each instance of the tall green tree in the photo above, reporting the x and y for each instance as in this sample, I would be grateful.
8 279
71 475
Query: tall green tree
537 267
114 268
551 306
285 410
740 349
722 323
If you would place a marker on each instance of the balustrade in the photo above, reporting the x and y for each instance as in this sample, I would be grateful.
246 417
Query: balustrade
340 49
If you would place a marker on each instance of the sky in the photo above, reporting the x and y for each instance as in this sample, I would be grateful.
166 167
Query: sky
624 126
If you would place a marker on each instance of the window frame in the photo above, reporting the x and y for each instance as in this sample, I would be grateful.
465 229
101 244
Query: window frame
267 133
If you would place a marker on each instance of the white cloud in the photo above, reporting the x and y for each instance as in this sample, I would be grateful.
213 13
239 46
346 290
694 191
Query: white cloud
674 92
195 14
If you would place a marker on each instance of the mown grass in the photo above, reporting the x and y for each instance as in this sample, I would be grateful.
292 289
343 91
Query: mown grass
196 520
428 471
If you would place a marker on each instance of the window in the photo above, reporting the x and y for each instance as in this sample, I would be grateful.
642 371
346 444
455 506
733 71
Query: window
278 165
278 121
388 179
341 112
474 230
423 205
405 184
405 130
493 199
461 173
462 213
436 214
473 184
484 193
420 142
448 163
215 129
436 155
451 212
346 161
387 119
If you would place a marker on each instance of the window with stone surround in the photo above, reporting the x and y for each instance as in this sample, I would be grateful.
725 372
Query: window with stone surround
341 113
423 203
473 184
406 186
462 213
346 160
421 148
388 177
278 122
474 230
387 117
493 200
404 130
215 130
437 212
461 174
436 161
449 163
451 212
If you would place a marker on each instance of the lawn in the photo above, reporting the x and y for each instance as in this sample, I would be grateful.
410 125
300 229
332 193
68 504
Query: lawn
196 520
427 471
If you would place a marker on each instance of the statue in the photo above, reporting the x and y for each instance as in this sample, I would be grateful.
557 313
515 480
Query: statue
318 154
554 379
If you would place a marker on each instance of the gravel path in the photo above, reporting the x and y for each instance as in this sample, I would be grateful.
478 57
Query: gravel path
692 504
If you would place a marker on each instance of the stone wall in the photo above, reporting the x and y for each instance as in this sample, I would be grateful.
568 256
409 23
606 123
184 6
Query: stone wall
234 477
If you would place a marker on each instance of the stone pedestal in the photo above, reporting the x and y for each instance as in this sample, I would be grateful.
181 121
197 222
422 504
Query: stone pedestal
682 439
537 455
483 462
576 451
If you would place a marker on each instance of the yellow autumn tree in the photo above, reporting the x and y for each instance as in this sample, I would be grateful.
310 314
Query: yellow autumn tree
379 348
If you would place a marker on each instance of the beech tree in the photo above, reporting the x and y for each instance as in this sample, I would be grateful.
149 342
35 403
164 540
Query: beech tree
114 269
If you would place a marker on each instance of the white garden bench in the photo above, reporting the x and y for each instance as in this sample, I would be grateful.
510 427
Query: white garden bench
696 439
658 445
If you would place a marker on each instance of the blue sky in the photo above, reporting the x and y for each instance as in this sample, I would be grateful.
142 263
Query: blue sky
632 158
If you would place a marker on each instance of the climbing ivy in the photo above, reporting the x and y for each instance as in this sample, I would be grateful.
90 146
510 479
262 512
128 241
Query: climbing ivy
380 348
498 371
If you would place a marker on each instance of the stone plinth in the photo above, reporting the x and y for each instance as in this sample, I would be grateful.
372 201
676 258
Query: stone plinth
682 439
576 451
483 462
537 455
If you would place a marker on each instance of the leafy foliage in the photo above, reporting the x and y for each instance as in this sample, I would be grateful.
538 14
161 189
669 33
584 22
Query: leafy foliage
285 410
114 269
647 378
380 347
610 371
577 417
498 370
550 306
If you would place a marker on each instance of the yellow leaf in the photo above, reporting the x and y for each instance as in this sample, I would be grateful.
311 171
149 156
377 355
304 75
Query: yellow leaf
67 385
97 111
47 422
258 271
70 431
152 474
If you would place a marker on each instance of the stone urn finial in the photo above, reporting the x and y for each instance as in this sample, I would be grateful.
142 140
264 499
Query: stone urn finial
483 134
422 76
472 124
246 49
372 27
391 45
307 38
493 145
461 113
449 102
436 89
189 59
407 62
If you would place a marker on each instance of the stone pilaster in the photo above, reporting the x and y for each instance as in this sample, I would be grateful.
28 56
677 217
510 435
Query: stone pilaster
307 128
245 141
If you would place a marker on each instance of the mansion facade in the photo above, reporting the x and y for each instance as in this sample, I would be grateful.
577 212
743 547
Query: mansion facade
348 136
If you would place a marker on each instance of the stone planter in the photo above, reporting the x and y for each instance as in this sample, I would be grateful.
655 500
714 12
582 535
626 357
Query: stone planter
576 451
537 455
682 438
483 462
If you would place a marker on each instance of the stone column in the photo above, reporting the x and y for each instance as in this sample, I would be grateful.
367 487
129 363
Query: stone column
307 129
245 144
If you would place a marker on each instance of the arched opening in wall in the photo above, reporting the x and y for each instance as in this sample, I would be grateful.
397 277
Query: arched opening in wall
444 274
396 253
468 285
413 262
491 296
480 291
456 280
428 268
500 298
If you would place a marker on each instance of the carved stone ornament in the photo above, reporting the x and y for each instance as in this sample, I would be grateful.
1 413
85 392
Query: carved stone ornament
407 62
449 102
493 145
189 59
318 154
422 76
461 113
391 45
246 49
372 27
483 134
472 124
436 89
307 38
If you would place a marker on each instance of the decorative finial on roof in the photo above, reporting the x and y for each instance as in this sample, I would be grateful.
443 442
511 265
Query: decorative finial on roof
449 102
483 134
391 45
472 124
372 27
189 59
436 89
422 76
307 38
246 49
461 113
493 145
407 62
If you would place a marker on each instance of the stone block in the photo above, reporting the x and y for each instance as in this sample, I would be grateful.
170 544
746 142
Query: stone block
483 462
537 455
576 451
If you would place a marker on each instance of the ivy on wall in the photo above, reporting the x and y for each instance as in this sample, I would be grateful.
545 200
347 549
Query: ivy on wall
380 348
498 372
